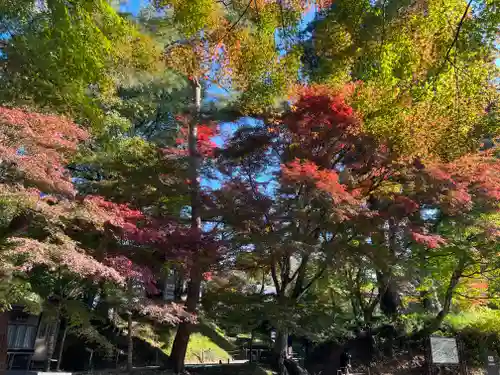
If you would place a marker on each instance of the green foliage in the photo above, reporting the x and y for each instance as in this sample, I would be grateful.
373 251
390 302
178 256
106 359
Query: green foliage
266 85
483 320
93 337
479 330
15 290
413 322
203 341
191 16
69 56
422 89
149 103
234 47
420 77
134 170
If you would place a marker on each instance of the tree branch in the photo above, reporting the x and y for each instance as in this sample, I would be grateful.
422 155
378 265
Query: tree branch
472 297
275 276
313 280
300 273
454 280
457 33
236 23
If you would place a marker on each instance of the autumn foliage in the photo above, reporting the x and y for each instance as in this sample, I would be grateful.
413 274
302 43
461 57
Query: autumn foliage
328 204
327 149
49 226
35 148
204 139
136 275
28 253
322 124
324 180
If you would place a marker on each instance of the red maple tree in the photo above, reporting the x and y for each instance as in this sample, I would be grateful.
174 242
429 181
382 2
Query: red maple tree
35 148
336 189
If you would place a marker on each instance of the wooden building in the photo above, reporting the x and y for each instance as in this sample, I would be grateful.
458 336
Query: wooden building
27 338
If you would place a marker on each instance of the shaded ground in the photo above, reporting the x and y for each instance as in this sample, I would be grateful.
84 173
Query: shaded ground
227 369
230 369
152 344
403 365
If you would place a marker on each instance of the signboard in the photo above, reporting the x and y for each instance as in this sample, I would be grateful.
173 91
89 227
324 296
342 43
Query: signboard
168 292
444 351
492 365
491 360
273 335
169 288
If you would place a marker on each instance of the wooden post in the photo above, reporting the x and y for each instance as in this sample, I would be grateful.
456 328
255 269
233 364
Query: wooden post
61 347
130 343
4 327
52 339
251 346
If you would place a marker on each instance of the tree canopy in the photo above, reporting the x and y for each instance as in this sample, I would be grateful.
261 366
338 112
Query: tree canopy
315 168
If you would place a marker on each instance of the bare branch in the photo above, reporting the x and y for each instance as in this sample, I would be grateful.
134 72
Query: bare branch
236 23
313 280
275 276
457 33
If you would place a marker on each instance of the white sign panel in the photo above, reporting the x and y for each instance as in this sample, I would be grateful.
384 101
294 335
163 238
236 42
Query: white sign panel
444 350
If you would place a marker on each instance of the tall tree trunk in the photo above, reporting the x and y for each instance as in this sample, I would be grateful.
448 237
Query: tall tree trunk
181 340
429 299
4 328
280 350
130 343
61 346
388 289
52 340
368 315
355 309
165 291
169 280
390 342
389 297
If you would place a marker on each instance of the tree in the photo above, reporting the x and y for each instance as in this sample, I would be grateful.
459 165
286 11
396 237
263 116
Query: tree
421 93
426 69
57 238
296 241
469 224
138 279
339 191
34 150
231 47
342 196
91 46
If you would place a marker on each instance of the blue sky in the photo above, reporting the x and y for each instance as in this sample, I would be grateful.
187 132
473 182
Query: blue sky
132 6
